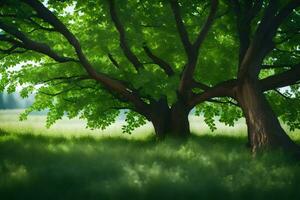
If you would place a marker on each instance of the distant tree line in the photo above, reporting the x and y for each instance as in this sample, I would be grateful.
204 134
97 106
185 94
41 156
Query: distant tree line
13 101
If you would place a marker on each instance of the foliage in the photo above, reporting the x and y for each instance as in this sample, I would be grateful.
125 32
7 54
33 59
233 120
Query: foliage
66 87
226 112
134 120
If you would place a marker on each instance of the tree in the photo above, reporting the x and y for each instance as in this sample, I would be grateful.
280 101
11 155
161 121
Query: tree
263 125
113 72
268 37
159 59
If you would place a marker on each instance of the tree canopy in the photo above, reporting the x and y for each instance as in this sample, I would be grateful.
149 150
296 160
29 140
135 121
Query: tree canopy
156 59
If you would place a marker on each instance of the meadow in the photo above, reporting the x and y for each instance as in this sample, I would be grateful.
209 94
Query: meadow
69 161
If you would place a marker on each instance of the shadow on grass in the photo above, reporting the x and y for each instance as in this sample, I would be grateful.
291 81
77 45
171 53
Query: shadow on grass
202 167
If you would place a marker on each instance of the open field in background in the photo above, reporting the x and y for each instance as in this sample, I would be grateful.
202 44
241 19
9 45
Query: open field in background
9 121
75 127
68 161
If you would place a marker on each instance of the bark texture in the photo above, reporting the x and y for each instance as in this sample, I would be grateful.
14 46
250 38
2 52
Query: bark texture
170 121
264 129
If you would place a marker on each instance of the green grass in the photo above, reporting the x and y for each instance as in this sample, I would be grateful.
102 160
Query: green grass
70 162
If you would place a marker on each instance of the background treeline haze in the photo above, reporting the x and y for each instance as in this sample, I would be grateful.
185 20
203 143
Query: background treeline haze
14 101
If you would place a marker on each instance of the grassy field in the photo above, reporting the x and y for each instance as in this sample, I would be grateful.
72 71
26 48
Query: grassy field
68 161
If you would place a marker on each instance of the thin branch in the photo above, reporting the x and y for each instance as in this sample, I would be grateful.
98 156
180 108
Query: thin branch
189 69
29 44
293 31
158 61
12 50
257 5
68 100
284 13
79 77
57 93
30 21
205 6
40 27
223 102
288 52
113 85
208 23
123 43
275 66
151 26
74 88
284 96
202 86
12 41
113 61
184 37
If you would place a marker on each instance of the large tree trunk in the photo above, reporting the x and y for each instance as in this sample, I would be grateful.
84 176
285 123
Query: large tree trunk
170 121
179 120
264 129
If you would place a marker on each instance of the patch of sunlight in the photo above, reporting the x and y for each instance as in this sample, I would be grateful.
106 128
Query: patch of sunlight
89 149
61 148
132 175
279 177
228 181
19 173
139 175
13 172
268 178
205 161
186 153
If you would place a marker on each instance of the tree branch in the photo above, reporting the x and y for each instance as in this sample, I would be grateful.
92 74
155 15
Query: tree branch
202 86
114 86
260 45
123 43
188 72
113 61
283 79
276 66
244 16
223 102
283 14
28 20
29 44
184 37
208 23
226 88
11 50
223 89
278 92
57 93
158 61
295 53
78 77
40 27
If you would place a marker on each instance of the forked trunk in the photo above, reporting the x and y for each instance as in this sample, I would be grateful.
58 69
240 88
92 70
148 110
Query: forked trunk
171 121
264 129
